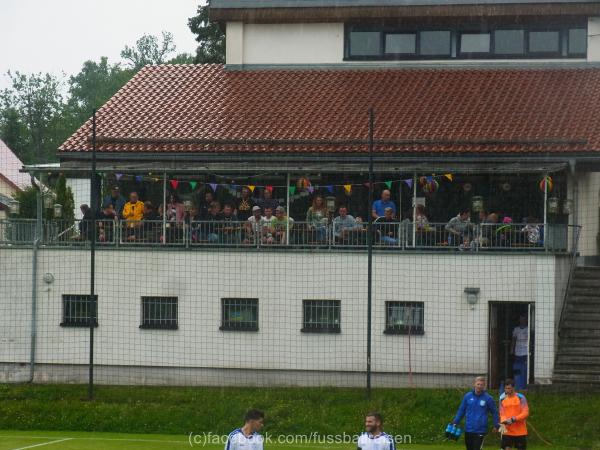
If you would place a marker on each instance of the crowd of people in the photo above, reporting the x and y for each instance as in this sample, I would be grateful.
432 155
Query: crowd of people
249 220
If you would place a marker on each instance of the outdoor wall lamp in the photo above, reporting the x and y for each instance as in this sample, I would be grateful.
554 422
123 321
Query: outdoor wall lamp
48 200
330 202
553 205
568 206
472 296
57 207
14 206
477 203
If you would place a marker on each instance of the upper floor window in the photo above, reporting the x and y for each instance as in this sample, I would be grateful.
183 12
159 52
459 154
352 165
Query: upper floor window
468 41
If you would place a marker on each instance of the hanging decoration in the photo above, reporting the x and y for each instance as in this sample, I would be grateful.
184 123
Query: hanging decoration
251 187
431 187
388 184
174 184
348 188
330 188
139 178
193 184
292 190
213 186
506 186
269 188
547 184
409 182
449 176
118 176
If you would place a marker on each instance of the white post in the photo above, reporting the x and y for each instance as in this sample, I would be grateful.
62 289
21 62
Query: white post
414 233
287 210
545 210
164 204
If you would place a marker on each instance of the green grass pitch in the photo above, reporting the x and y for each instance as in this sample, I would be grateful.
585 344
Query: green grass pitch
20 440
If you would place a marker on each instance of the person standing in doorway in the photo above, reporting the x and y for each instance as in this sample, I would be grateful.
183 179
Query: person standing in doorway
519 349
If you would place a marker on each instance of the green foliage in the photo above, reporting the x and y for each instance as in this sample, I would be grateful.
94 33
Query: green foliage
210 36
565 420
148 50
27 199
64 197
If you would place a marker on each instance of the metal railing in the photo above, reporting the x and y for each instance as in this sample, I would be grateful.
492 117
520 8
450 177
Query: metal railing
288 233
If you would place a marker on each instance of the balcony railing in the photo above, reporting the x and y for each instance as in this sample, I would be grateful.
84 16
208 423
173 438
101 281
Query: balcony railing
290 234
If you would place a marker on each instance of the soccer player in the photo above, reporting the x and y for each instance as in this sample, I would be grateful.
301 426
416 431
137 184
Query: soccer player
374 438
513 414
247 437
476 405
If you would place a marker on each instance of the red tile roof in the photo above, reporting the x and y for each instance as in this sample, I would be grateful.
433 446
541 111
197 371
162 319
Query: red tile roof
186 108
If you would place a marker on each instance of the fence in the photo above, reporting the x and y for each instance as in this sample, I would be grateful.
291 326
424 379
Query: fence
290 234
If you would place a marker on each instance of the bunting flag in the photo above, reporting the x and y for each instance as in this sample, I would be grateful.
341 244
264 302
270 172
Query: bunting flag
348 188
409 182
269 188
310 189
292 190
213 186
388 184
118 176
330 188
174 183
193 184
429 179
138 178
251 187
449 176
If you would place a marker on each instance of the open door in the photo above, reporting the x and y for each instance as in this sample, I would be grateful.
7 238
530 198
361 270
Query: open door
503 319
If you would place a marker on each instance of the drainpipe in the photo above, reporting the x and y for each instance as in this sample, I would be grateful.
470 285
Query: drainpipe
34 267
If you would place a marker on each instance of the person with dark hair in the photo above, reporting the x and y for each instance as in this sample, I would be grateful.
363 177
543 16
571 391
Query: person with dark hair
459 228
247 437
106 223
374 438
204 204
229 230
245 205
514 411
85 225
268 201
519 350
151 223
115 199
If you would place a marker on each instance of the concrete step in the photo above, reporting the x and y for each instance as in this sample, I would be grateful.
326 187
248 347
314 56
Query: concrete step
575 324
583 291
583 315
577 376
587 271
585 351
570 342
564 361
583 300
583 282
589 333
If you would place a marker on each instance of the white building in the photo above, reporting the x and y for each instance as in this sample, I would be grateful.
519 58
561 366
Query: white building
475 105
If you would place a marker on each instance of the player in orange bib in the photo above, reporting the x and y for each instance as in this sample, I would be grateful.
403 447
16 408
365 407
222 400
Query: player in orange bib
513 415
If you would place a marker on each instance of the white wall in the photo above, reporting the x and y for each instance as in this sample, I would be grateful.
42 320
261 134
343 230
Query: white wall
455 340
81 193
588 212
323 43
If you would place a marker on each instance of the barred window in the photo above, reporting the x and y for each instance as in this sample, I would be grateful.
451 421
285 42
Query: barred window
321 316
404 318
239 314
159 313
77 310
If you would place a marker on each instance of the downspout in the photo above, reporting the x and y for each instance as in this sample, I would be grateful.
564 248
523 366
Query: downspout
34 276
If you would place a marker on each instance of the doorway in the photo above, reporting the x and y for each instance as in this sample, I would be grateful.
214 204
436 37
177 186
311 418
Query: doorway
503 318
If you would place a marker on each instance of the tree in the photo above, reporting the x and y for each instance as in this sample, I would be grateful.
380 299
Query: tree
64 197
32 111
210 37
93 86
148 50
27 199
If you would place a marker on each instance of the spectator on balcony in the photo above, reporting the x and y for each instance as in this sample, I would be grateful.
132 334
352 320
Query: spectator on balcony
229 229
533 230
345 227
253 226
106 223
386 228
459 228
193 219
421 220
245 205
174 210
210 225
152 223
133 210
115 199
317 217
86 230
378 209
268 231
204 204
268 201
281 226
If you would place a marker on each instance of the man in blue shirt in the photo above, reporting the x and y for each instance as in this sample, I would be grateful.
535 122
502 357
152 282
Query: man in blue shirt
379 206
476 405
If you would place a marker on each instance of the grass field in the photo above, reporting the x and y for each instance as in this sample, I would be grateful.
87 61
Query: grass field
118 441
128 417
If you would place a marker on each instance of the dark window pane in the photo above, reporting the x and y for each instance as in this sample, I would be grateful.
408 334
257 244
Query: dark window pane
239 314
159 312
577 41
544 41
401 43
364 43
475 43
435 43
321 316
509 42
404 318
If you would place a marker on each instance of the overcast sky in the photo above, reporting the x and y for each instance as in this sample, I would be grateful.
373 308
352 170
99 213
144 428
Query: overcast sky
59 35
